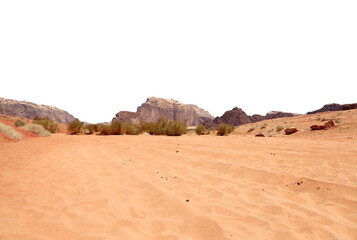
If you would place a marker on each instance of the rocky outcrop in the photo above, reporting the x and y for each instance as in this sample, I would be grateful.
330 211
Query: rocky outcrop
328 108
349 106
173 110
31 110
335 107
237 117
234 117
279 114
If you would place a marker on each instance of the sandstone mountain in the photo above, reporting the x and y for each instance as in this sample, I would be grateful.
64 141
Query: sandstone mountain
31 110
237 117
155 107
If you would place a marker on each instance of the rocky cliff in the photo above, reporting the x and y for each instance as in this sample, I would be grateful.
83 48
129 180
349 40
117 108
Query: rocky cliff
31 110
237 117
154 108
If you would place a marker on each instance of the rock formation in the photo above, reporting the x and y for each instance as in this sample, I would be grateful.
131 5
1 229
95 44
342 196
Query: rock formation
349 106
234 117
328 108
31 110
154 108
237 117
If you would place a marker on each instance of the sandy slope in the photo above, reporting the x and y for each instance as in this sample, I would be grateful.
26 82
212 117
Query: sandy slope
136 187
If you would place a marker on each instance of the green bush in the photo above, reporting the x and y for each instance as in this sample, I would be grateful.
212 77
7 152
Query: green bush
48 124
164 127
176 129
91 128
200 129
279 128
264 126
131 129
224 129
74 127
117 128
251 129
19 123
105 130
37 129
9 131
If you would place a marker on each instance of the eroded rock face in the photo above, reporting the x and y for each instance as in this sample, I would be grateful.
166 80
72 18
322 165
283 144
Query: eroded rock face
31 110
154 108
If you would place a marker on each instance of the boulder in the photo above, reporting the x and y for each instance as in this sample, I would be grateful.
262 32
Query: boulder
330 123
260 134
317 127
289 131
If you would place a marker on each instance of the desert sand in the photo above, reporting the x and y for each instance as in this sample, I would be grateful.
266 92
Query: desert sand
301 186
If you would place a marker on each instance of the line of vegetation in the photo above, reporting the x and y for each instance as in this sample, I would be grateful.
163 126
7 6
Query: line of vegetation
37 129
164 127
10 132
75 127
48 124
200 129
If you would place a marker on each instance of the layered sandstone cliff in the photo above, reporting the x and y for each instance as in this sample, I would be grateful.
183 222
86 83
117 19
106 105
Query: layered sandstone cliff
31 110
173 110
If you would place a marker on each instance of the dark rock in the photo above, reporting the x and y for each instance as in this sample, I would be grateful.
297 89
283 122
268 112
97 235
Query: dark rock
349 106
317 127
289 131
234 117
328 108
31 110
259 135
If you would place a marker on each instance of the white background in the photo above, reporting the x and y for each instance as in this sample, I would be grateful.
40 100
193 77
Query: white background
95 58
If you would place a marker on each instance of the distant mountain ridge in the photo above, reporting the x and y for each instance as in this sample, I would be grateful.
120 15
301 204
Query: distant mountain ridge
31 110
237 117
334 107
155 107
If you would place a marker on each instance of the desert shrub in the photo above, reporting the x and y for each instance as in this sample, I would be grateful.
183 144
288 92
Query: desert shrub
74 127
131 129
224 129
164 127
90 128
19 123
117 128
176 128
251 129
48 124
37 129
337 120
200 129
9 131
105 129
264 126
279 128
